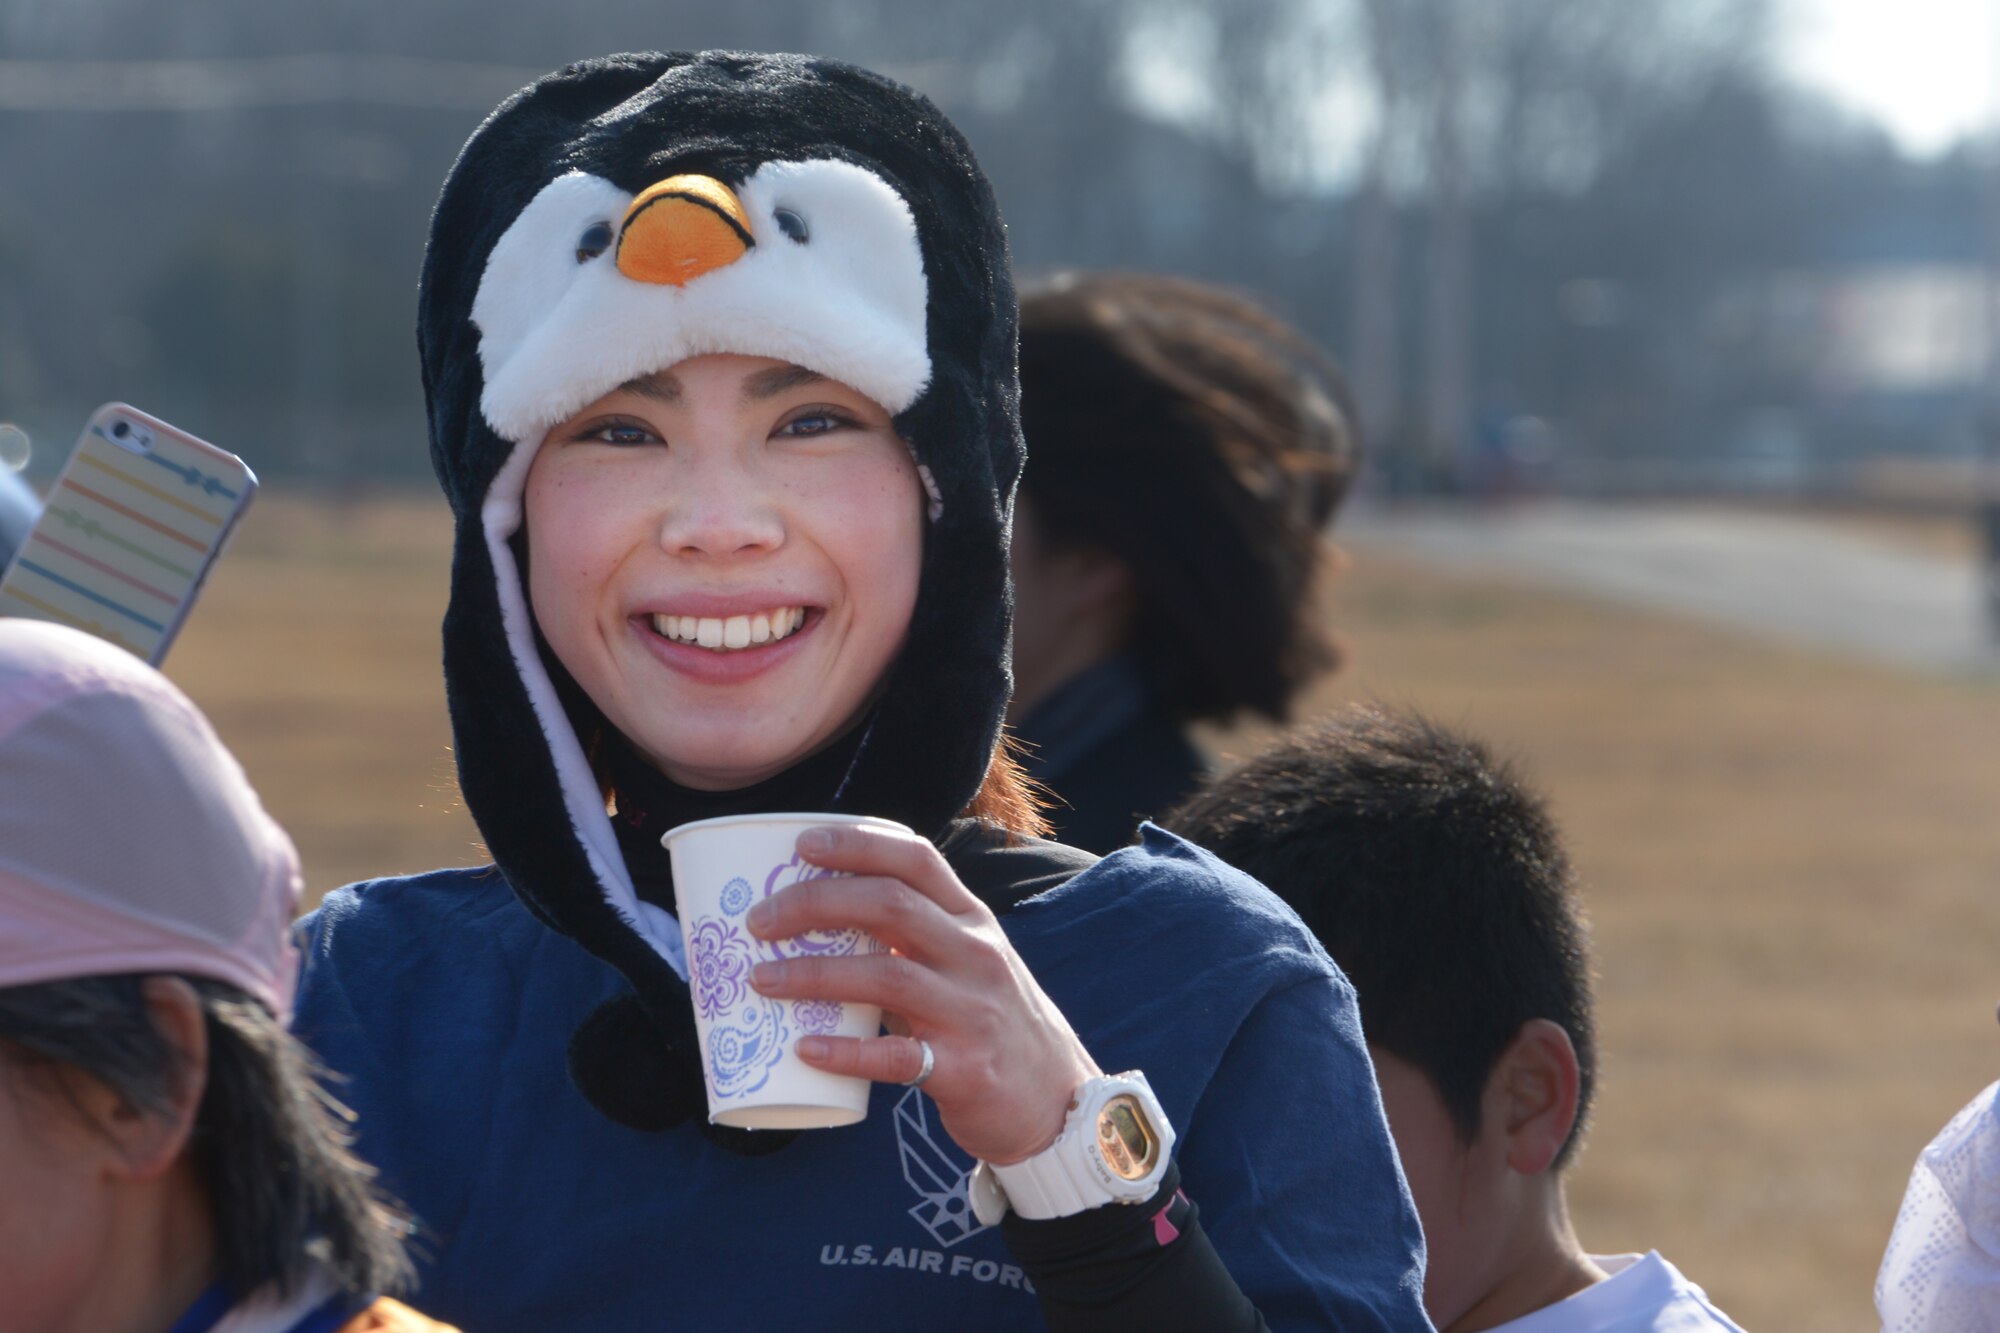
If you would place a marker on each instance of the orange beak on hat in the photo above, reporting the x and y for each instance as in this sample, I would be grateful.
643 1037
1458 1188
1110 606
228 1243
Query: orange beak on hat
681 228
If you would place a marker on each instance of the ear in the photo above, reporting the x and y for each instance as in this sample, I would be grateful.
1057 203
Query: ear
145 1144
1532 1095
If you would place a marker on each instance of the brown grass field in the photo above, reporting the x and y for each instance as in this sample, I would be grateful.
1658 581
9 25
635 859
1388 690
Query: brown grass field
1792 863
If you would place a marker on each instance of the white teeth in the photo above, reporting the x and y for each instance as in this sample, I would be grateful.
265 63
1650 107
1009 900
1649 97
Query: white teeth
723 635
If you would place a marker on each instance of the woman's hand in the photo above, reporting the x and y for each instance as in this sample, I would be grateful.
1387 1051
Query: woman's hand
1005 1059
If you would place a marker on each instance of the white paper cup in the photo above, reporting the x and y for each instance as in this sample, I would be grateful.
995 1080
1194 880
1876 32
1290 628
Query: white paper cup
755 1079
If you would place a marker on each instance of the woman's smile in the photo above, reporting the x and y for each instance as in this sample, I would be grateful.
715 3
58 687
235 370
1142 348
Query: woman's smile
712 649
730 634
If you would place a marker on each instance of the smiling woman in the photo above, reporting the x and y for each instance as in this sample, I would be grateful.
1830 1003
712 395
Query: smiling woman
724 556
721 359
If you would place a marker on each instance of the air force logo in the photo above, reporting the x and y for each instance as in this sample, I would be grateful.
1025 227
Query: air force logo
937 1173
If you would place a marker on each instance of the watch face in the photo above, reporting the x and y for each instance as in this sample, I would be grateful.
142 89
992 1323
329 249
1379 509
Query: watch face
1128 1143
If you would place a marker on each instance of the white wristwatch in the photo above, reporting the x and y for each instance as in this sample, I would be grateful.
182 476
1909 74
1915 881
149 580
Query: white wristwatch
1114 1148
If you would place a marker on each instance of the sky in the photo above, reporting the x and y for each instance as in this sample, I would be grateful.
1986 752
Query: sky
1925 68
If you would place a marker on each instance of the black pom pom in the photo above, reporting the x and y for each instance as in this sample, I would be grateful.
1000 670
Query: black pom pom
633 1072
647 1076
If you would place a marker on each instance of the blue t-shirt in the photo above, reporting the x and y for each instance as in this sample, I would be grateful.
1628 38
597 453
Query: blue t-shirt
448 1010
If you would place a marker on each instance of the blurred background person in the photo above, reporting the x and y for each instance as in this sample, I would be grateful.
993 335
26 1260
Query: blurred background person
169 1162
1186 450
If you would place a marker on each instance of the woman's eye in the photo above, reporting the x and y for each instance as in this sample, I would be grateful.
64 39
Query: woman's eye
813 423
619 432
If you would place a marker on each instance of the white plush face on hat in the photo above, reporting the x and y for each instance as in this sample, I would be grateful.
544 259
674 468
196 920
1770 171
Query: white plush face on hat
820 267
833 280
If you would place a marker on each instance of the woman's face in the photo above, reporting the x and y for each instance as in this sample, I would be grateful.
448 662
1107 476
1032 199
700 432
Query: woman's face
725 556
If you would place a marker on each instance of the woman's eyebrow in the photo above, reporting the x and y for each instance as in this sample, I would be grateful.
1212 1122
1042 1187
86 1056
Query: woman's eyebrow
770 383
660 386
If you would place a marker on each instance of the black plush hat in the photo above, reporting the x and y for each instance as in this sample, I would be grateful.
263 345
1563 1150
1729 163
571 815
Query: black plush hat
611 220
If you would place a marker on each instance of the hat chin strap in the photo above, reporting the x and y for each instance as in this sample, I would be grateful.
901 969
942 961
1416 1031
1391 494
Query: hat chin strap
500 519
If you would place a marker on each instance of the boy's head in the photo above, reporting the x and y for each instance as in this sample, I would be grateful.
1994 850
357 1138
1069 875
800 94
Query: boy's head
1438 883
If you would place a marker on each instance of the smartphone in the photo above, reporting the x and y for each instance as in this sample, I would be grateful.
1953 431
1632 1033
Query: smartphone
129 532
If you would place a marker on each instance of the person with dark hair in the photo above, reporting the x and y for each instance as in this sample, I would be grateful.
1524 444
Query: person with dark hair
167 1156
1438 881
1186 451
719 351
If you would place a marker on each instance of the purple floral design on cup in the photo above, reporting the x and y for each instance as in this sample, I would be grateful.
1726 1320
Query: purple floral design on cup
743 1050
719 961
735 896
818 1017
813 943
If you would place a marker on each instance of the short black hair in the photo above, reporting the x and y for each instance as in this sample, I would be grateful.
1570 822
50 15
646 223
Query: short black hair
1433 875
1205 443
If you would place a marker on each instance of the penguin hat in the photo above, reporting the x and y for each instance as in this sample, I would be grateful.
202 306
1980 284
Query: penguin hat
608 222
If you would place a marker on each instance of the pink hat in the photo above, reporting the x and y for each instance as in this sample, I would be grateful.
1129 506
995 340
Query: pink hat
130 840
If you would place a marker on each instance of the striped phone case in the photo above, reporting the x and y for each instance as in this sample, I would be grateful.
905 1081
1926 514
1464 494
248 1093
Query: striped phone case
129 532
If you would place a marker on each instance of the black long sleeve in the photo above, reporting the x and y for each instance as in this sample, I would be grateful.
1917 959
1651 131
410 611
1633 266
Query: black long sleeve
1114 1267
1120 1267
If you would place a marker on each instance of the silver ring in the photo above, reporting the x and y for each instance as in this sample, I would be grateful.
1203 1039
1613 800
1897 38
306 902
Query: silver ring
930 1063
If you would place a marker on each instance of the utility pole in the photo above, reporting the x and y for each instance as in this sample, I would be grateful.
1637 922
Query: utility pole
318 418
1376 335
1448 276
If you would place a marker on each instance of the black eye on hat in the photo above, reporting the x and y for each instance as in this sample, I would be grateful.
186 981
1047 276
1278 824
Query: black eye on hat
596 239
792 225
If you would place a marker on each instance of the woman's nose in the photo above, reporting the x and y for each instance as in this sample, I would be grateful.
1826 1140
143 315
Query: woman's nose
716 510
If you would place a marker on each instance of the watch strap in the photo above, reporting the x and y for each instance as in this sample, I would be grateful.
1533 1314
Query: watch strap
1054 1182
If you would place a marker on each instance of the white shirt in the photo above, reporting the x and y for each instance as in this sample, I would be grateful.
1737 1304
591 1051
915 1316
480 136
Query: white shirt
1643 1294
1941 1272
